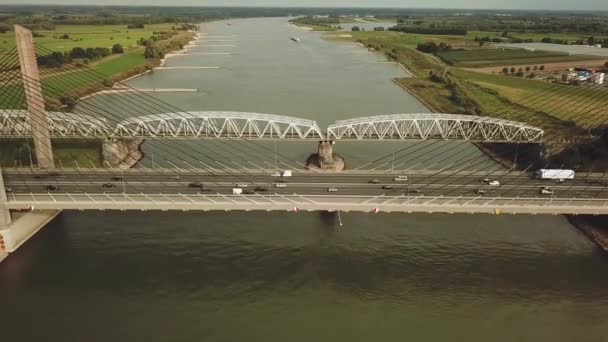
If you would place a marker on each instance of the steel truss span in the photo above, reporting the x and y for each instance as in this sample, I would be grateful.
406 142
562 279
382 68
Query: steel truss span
424 126
219 125
16 123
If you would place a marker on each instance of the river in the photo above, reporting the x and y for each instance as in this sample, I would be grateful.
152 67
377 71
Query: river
282 276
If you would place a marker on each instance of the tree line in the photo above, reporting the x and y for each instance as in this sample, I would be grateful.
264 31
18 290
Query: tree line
429 30
58 59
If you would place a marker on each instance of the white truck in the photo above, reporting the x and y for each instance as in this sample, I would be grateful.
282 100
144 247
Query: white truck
237 191
555 174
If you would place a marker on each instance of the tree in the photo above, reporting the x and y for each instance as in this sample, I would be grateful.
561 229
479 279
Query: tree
356 29
117 48
513 70
77 52
528 69
65 36
68 101
542 67
535 67
505 70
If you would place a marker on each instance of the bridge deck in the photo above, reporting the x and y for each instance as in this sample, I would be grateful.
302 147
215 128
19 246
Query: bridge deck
407 204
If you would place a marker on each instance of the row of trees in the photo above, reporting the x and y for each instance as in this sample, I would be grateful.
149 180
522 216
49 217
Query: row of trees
429 30
521 72
434 48
57 59
588 41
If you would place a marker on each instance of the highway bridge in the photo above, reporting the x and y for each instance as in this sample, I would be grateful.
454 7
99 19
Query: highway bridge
464 192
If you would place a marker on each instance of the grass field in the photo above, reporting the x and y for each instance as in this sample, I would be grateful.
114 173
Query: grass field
498 57
69 153
87 36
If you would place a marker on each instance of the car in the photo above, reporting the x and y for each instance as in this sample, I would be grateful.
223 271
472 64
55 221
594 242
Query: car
280 185
204 189
52 187
107 185
8 190
485 180
195 185
333 189
374 181
480 191
494 183
176 177
241 185
546 191
400 179
249 192
117 178
260 189
417 191
387 187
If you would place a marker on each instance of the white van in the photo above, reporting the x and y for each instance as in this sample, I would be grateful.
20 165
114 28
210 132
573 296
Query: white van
280 185
237 191
400 179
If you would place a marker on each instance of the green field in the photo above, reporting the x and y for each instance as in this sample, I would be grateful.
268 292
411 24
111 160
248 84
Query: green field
87 36
498 57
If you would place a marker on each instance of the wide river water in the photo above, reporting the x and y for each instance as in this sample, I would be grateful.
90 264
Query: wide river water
282 276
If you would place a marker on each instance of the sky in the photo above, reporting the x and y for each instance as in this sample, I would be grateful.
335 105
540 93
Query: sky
601 5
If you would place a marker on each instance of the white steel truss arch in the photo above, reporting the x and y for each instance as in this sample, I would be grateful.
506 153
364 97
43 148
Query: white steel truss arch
17 123
219 125
433 126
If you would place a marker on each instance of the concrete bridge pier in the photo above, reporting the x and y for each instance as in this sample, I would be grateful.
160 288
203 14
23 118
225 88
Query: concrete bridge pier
14 233
325 159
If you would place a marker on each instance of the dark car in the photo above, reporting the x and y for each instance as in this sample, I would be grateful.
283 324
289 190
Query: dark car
117 178
52 187
260 189
374 181
195 185
387 187
107 185
249 192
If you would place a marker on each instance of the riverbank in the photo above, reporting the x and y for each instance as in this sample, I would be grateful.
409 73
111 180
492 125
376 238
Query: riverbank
595 227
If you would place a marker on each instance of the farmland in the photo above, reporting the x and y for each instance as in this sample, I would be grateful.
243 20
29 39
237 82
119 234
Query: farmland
87 36
497 57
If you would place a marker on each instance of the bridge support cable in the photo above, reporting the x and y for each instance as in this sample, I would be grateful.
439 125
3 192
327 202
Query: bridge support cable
180 153
145 101
138 109
593 119
503 173
115 174
481 157
533 97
